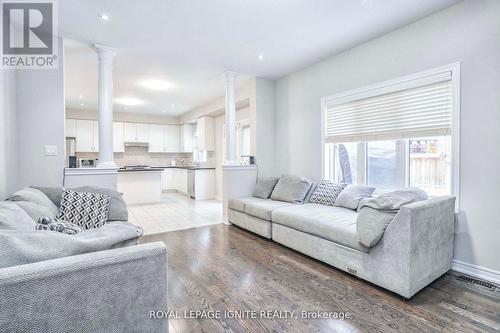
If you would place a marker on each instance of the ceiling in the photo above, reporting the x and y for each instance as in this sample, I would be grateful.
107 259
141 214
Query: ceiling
188 44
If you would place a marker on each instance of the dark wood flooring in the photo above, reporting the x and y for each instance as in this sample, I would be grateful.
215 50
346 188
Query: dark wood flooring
222 267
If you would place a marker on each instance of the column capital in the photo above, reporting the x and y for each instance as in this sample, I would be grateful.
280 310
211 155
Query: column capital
228 75
105 53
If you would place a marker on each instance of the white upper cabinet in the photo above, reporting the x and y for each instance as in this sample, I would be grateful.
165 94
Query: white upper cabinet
186 136
142 132
134 132
70 128
205 134
172 138
118 139
87 136
156 139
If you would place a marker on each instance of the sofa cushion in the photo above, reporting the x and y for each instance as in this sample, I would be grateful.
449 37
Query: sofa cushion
239 203
352 195
263 209
36 196
34 210
327 192
13 217
291 189
265 187
86 209
335 224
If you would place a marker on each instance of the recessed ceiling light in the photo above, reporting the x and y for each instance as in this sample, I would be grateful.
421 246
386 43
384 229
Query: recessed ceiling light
125 108
129 101
81 96
164 111
81 104
261 57
103 16
171 105
155 84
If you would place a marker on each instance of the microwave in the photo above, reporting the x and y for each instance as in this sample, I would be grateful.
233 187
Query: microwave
87 163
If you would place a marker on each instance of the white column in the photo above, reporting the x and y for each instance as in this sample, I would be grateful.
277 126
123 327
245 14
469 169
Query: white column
230 147
105 106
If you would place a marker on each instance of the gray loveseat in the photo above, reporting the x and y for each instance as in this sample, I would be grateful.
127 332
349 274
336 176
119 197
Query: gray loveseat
416 248
97 280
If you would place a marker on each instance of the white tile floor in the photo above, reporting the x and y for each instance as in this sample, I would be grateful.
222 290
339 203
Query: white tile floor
175 212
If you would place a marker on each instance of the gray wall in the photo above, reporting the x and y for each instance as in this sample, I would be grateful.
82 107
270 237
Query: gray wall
40 122
8 142
264 126
468 32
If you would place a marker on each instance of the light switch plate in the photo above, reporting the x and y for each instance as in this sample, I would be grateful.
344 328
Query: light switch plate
50 150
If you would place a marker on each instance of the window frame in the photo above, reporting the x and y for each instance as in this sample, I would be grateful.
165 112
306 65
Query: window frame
380 89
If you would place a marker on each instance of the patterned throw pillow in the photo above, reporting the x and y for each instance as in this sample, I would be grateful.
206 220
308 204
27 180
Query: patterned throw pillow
47 223
85 209
327 192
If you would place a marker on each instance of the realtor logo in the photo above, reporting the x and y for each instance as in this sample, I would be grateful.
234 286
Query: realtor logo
29 39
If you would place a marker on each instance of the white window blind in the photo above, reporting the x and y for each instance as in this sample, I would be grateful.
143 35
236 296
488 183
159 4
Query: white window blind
422 107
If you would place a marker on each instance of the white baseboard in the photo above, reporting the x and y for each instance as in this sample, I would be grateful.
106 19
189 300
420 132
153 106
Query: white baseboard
476 271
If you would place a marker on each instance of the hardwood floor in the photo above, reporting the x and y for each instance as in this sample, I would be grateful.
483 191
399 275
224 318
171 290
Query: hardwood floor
220 267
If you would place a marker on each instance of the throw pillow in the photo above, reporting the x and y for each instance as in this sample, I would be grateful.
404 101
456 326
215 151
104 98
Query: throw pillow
47 223
36 196
351 196
327 192
265 187
291 189
86 209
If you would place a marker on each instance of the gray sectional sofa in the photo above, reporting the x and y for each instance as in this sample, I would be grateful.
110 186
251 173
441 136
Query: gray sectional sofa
98 280
415 249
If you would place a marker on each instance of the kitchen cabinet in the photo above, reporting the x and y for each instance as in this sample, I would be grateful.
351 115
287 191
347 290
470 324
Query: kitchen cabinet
175 179
87 136
163 139
172 138
118 139
186 138
156 139
202 184
205 134
70 128
134 132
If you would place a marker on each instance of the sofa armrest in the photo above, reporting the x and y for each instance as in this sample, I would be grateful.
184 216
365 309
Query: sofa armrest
421 238
105 291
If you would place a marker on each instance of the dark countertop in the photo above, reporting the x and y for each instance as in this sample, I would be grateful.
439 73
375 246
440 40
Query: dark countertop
187 167
141 170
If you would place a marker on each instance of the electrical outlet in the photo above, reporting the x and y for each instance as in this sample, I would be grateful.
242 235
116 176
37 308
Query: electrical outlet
50 150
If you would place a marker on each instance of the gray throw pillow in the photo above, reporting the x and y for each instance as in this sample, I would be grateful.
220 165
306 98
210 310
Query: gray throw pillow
33 195
265 187
34 210
117 207
291 189
327 192
13 217
53 193
351 196
85 209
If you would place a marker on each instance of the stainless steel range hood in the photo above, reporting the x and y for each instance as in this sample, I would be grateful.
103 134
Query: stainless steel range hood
136 144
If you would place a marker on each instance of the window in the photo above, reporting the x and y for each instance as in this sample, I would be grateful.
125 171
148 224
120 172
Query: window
396 134
245 133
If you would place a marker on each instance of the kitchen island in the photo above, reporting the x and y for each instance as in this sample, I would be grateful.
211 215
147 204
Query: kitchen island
140 185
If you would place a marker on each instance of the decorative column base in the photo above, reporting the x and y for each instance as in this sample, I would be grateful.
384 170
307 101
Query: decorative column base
237 181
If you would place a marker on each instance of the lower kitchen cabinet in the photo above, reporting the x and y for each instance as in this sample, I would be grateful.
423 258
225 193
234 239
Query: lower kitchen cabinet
175 179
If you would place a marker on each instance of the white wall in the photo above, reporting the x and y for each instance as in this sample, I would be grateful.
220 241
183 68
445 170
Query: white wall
264 126
8 142
468 32
40 122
